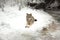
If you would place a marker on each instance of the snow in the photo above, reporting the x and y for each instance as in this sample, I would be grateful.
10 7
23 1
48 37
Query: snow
13 22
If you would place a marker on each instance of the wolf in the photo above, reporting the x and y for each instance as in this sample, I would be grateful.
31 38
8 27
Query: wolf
30 19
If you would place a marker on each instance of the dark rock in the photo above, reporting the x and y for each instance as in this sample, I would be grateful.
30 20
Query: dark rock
31 4
40 6
58 7
35 20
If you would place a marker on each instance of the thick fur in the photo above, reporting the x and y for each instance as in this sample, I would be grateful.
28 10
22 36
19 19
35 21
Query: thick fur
30 19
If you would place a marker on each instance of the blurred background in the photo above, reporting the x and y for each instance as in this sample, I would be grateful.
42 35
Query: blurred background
50 6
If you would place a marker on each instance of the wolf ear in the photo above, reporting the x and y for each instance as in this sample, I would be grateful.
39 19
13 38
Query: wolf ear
30 13
27 13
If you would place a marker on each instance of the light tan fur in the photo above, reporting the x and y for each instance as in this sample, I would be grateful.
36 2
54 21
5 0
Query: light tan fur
29 19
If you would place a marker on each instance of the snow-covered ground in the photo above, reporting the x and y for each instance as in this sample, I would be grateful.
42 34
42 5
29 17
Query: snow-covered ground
13 22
